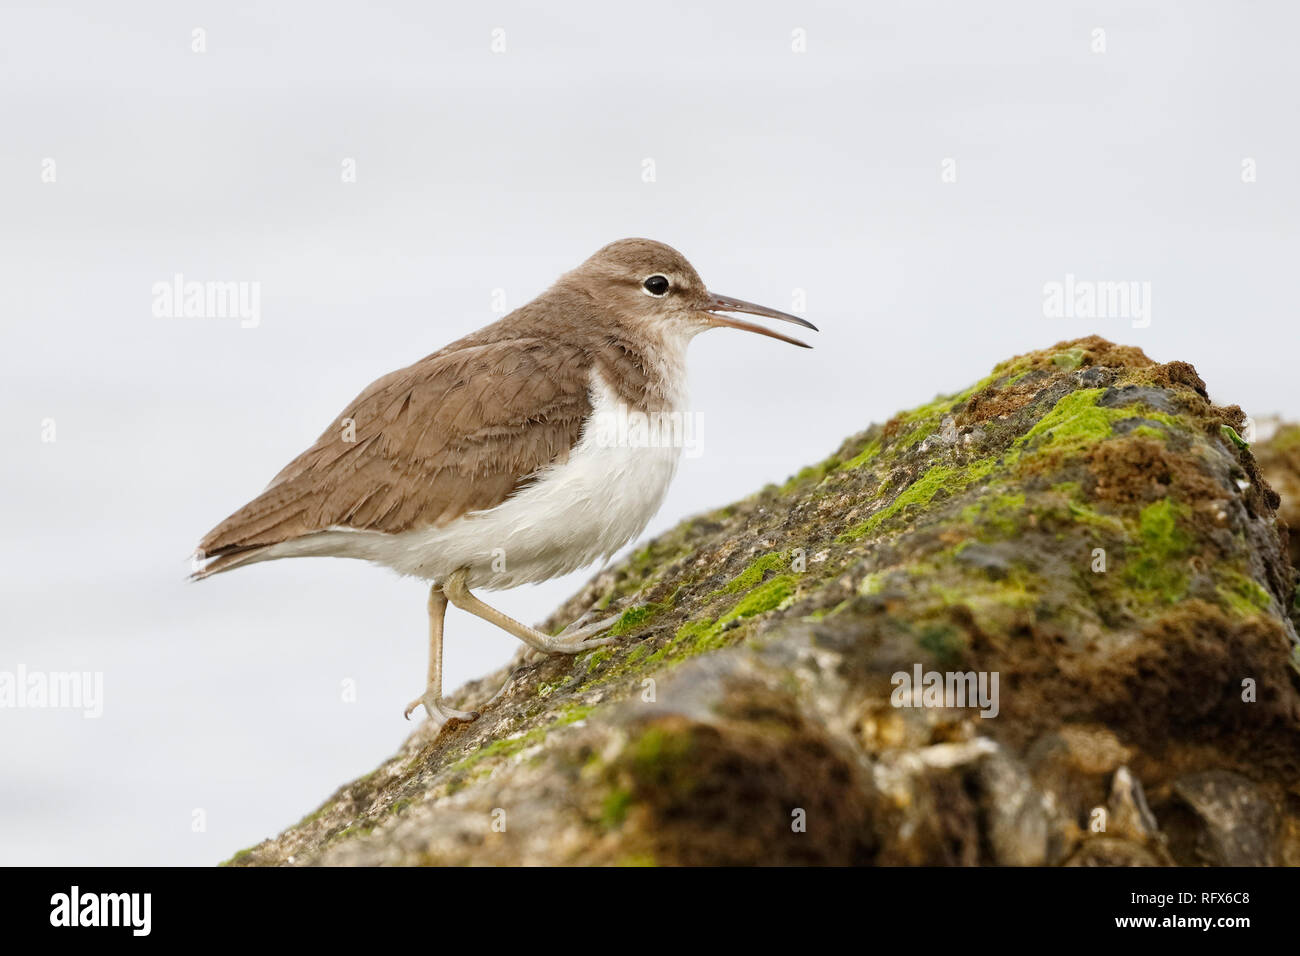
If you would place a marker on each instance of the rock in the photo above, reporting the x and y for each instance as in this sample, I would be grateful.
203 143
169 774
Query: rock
1130 817
1232 822
1017 815
1159 399
954 642
1108 851
1072 765
1279 461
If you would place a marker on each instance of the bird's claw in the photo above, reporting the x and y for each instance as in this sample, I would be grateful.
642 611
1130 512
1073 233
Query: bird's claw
439 713
579 636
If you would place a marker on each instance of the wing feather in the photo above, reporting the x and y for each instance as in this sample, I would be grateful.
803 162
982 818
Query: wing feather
458 431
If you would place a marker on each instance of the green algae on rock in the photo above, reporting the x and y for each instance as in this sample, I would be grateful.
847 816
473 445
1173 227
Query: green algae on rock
1082 522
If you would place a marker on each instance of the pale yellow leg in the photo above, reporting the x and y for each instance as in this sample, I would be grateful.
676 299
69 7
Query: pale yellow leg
566 642
432 696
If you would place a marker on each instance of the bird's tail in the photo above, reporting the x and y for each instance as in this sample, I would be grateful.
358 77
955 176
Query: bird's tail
205 567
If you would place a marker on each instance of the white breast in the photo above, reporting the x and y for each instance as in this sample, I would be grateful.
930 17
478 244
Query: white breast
574 513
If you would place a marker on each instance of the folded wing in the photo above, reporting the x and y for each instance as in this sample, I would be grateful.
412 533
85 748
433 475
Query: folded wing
456 432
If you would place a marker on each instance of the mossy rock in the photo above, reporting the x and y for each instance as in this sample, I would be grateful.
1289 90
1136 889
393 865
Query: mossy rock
1082 523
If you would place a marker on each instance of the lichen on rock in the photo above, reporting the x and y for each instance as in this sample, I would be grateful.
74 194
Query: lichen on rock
1079 523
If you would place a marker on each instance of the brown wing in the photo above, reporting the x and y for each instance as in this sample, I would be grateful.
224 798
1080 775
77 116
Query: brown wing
458 431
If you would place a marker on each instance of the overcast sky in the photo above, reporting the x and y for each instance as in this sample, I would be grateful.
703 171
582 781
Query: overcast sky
921 171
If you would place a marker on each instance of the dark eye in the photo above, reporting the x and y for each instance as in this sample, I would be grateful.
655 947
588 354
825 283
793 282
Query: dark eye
656 285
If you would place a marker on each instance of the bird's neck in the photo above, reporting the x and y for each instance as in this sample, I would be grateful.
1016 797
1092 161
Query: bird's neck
644 366
646 370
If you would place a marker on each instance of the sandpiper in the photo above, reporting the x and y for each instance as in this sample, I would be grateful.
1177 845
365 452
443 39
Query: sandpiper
478 467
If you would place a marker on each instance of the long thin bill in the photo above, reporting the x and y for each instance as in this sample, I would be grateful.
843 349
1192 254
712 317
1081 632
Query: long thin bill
725 303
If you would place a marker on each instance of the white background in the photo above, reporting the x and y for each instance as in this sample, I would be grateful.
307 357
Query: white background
775 171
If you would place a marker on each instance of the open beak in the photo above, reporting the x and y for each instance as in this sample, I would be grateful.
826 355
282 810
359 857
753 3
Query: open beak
724 303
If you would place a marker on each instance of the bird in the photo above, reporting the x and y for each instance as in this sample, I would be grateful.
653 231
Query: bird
492 462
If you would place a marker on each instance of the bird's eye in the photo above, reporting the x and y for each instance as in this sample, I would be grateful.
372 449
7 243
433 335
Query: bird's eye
656 286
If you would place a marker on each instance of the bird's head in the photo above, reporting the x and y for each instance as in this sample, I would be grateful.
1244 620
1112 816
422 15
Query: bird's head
651 284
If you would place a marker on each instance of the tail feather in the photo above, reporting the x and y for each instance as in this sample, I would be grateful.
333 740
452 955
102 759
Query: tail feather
229 561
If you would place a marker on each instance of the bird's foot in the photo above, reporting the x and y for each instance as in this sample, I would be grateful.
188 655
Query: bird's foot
580 636
439 713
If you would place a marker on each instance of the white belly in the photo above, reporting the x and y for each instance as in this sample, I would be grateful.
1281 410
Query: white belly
585 509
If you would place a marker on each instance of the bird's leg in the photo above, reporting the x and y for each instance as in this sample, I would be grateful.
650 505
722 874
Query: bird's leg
565 643
438 712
